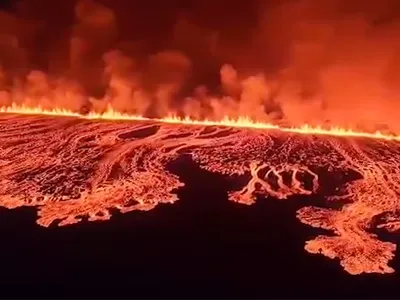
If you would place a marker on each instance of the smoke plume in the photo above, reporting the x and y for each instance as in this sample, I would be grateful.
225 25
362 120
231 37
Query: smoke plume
331 62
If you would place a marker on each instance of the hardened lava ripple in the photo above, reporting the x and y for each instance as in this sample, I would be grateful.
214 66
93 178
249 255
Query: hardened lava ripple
73 168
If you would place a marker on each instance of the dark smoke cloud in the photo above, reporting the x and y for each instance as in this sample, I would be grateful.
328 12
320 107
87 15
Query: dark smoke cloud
305 61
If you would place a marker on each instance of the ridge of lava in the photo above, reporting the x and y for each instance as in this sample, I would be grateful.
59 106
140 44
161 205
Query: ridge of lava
241 122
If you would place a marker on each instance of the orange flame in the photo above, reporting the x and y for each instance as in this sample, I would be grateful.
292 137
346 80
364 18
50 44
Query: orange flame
241 122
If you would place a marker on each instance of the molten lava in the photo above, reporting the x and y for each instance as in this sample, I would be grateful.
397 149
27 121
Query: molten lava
76 167
242 122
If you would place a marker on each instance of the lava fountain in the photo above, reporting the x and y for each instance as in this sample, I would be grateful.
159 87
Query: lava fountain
77 166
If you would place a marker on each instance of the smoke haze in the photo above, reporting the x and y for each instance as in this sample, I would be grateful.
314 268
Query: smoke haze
308 61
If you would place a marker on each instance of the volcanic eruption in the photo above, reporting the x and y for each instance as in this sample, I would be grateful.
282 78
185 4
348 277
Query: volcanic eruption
75 155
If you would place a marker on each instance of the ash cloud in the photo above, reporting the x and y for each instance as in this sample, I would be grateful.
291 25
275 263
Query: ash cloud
293 62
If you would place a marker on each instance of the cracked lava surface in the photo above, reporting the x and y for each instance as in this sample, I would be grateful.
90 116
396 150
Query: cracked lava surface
73 168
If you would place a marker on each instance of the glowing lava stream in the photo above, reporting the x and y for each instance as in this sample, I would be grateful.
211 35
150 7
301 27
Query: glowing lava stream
241 122
83 170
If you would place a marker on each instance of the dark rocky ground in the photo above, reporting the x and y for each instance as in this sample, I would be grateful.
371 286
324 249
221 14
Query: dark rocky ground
203 246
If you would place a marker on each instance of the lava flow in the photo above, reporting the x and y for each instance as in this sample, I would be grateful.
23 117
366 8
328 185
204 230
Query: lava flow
242 122
74 167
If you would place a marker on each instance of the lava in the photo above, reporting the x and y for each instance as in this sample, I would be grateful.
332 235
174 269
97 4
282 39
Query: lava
76 167
242 122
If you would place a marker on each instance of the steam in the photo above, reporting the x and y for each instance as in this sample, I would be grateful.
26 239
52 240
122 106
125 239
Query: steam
307 61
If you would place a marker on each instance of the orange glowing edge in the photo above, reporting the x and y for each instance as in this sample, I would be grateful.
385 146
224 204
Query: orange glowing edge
241 122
